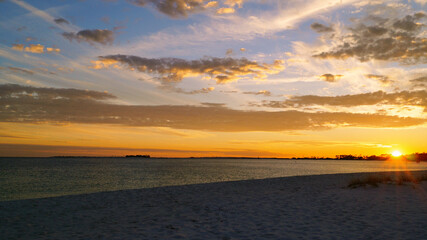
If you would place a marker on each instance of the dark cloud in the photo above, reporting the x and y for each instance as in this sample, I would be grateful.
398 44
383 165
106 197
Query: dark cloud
327 77
21 70
32 105
320 28
403 98
61 21
22 92
102 36
21 28
400 40
175 8
385 80
422 79
419 82
169 70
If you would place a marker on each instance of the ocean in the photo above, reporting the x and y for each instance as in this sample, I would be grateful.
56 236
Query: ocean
27 178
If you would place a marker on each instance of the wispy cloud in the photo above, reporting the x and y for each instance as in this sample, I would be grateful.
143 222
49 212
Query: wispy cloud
235 27
45 16
21 70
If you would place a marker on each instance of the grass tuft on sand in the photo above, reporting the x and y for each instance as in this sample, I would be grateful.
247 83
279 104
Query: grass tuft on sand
374 180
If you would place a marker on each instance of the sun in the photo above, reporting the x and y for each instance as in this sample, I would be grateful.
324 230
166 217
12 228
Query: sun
396 153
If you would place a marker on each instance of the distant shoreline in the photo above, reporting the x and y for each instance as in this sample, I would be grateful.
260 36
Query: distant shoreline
270 158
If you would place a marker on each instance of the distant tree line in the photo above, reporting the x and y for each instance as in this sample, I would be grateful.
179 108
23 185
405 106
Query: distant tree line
138 156
417 157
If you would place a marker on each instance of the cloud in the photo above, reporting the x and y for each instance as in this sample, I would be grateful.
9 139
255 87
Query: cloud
101 36
225 11
177 8
422 2
20 29
327 77
381 78
233 3
172 88
419 82
205 35
32 105
403 98
35 48
320 28
51 94
211 4
18 47
57 50
61 21
21 70
387 39
223 70
422 79
261 92
199 91
43 15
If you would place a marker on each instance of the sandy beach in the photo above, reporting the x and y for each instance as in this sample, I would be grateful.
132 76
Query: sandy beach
305 207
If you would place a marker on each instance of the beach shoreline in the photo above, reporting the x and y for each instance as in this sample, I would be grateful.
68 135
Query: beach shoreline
299 207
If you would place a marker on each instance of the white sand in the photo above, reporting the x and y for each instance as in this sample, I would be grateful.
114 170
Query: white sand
306 207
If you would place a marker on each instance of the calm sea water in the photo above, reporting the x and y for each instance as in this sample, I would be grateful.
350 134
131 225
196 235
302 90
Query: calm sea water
24 178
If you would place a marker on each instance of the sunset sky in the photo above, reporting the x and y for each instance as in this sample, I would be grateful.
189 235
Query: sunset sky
254 78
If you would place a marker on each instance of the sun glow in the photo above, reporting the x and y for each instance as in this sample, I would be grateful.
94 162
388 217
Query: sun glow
396 153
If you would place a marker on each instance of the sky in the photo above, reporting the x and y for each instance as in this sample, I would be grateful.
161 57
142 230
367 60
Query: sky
182 78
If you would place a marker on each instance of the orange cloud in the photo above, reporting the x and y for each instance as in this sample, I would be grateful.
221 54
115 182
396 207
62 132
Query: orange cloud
233 3
33 48
225 11
57 50
18 47
211 4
